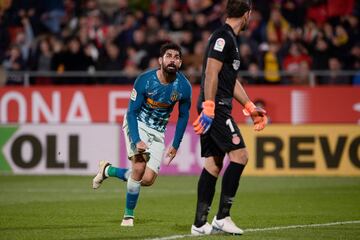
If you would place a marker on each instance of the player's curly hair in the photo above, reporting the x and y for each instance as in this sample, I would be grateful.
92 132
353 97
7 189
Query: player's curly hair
237 8
170 45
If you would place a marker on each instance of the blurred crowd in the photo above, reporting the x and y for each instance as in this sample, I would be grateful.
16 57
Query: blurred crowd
295 36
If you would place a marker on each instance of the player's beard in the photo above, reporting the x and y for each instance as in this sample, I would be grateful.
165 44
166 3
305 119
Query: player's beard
170 69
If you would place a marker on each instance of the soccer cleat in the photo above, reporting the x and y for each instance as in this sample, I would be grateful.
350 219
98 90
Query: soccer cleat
100 176
205 229
127 222
226 225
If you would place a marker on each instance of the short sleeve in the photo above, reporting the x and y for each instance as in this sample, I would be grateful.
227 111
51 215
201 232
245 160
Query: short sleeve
219 45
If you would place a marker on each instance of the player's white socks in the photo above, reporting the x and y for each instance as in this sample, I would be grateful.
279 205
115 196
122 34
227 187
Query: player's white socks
132 195
106 171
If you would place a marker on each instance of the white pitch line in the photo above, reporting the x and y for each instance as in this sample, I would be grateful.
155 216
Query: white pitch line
301 226
268 229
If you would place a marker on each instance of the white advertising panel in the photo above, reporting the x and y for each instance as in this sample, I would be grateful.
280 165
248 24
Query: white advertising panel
58 149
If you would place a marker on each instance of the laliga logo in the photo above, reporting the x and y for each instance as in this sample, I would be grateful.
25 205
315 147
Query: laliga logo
356 108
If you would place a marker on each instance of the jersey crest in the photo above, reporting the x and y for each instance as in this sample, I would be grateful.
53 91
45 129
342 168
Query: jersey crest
174 96
236 64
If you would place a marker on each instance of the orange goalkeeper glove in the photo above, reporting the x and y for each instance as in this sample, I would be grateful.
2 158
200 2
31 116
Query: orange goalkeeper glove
257 114
203 123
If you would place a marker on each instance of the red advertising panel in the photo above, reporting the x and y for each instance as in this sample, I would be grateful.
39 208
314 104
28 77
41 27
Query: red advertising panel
105 104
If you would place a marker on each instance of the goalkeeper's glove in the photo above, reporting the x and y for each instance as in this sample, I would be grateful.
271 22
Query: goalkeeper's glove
257 114
203 122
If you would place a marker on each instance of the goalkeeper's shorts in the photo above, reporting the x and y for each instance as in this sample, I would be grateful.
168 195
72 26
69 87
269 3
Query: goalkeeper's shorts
223 136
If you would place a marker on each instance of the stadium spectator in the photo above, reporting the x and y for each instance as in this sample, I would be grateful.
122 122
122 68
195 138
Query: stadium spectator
310 32
320 52
4 36
341 42
335 76
254 75
296 63
14 62
152 26
351 24
110 59
75 59
140 46
57 63
317 12
277 27
122 9
353 61
193 62
271 64
257 27
42 60
52 13
24 39
246 56
92 8
293 12
187 42
126 31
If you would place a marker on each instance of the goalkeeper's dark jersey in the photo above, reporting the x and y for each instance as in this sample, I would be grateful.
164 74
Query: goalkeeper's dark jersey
222 46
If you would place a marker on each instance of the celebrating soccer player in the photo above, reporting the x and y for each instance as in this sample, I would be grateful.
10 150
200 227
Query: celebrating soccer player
152 100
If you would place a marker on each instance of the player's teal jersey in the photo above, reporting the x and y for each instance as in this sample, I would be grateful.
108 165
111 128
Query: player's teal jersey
152 102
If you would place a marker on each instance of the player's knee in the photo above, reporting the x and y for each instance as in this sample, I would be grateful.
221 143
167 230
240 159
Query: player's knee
138 170
148 179
147 182
243 158
239 156
214 166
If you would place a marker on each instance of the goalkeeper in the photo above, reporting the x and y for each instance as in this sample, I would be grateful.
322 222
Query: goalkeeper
219 133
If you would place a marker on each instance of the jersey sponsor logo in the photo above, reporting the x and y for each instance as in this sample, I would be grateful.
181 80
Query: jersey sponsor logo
236 64
133 94
151 93
219 44
154 104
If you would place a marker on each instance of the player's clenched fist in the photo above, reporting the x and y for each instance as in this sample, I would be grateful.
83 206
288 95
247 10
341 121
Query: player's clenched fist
257 114
203 122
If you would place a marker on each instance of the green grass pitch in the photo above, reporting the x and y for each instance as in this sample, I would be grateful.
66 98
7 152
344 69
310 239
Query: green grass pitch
65 207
